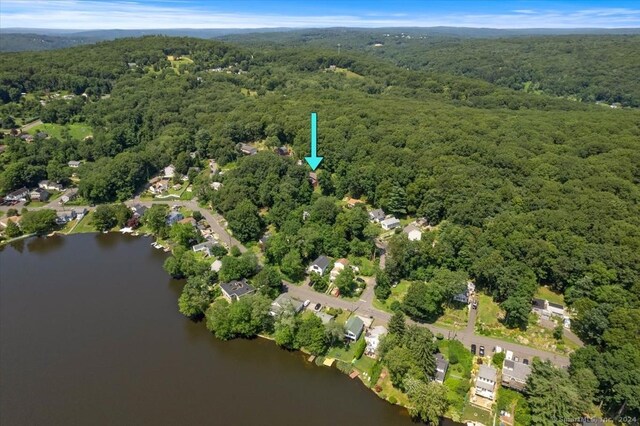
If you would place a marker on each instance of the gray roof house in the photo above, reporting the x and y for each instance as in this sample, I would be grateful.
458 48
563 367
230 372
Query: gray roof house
353 328
514 374
486 382
247 149
234 290
320 265
390 223
174 217
204 247
441 368
376 216
74 164
18 195
283 302
39 194
326 318
138 210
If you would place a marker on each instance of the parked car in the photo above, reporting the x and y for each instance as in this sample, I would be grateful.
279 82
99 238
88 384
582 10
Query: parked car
306 303
475 304
317 307
481 351
360 280
473 349
525 361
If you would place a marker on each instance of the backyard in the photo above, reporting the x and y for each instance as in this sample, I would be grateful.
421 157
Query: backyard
488 323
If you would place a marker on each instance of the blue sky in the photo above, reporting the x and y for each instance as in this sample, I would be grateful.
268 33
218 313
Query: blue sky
146 14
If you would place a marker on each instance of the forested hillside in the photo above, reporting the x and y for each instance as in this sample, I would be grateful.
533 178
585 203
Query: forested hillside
590 68
528 189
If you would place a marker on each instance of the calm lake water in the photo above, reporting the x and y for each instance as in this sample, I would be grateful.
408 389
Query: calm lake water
90 334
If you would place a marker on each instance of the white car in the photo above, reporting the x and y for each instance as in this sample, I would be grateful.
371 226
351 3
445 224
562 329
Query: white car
306 303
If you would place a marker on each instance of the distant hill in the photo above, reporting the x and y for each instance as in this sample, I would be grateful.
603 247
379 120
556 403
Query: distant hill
34 42
25 39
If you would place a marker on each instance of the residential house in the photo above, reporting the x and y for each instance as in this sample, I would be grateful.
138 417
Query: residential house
65 217
486 382
216 265
338 266
413 232
74 164
353 328
466 295
313 179
283 151
390 223
21 194
204 247
324 317
173 217
234 290
320 265
216 186
138 210
247 149
159 186
352 202
376 216
82 213
39 194
514 372
441 368
169 172
26 137
547 309
69 196
50 186
285 301
372 339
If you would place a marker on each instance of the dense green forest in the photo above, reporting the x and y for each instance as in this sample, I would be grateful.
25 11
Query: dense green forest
528 189
584 67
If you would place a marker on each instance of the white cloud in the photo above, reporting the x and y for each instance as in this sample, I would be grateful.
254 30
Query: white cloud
86 15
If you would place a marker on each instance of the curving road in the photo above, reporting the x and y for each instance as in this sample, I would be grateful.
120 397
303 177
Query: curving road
467 336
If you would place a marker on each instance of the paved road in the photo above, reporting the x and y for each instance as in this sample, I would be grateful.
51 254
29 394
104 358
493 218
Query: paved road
467 336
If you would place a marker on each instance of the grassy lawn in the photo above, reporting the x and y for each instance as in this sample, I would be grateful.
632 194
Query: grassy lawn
347 73
248 92
397 293
514 403
84 225
488 324
473 413
366 266
343 353
33 204
550 295
392 394
454 318
76 130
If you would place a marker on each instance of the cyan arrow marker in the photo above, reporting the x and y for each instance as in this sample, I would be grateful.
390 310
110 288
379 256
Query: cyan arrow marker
314 161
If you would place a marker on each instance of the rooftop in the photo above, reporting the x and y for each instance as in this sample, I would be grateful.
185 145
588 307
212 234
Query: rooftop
236 288
354 324
322 262
488 373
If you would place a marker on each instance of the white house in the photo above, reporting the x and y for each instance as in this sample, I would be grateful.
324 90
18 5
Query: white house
21 194
50 186
390 223
169 171
69 196
319 266
486 382
338 266
372 338
413 232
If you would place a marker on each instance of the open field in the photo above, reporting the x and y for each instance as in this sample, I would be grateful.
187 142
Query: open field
550 295
76 130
